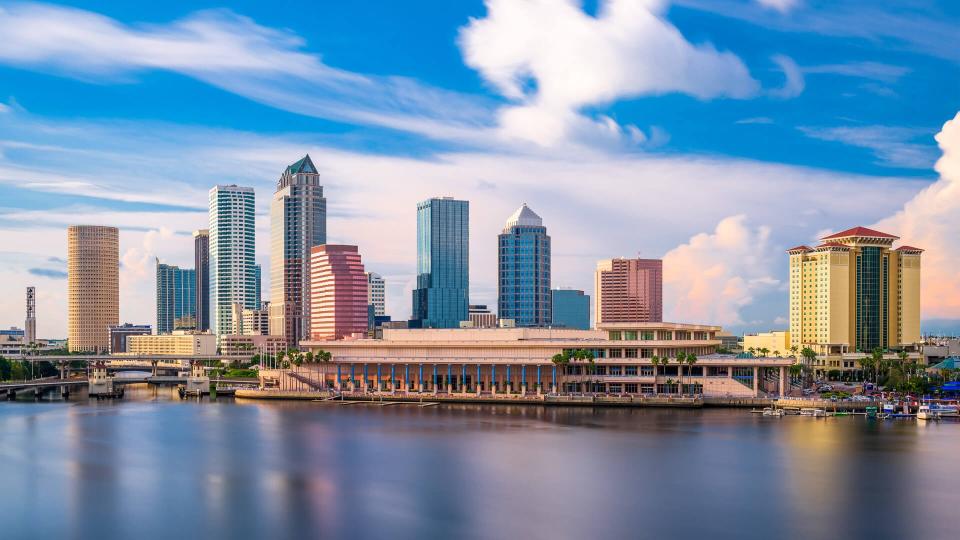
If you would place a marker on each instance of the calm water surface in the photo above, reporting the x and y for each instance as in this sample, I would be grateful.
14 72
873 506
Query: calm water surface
152 466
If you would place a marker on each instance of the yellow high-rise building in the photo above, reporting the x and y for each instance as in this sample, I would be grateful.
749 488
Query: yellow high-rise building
854 292
93 286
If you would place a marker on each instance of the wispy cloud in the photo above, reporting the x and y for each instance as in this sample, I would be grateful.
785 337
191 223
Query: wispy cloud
755 120
48 273
920 27
235 53
865 70
893 146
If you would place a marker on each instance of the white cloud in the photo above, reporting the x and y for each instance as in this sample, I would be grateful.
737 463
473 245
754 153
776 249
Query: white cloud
551 59
931 221
866 70
893 146
783 6
232 52
372 200
793 83
714 275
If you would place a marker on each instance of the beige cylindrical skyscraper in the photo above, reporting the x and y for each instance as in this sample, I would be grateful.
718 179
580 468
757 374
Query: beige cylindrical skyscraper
93 286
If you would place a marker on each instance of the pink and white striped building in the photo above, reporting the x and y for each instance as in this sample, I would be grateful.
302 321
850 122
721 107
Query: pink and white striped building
338 292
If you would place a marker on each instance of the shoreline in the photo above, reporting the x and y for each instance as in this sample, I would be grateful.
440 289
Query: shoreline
562 401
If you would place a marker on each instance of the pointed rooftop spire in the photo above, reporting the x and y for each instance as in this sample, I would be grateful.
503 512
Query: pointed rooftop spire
524 217
305 165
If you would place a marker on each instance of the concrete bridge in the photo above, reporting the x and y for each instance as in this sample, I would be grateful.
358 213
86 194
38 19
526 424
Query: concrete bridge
64 385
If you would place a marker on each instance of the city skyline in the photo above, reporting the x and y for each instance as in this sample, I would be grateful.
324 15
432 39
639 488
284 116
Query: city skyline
790 143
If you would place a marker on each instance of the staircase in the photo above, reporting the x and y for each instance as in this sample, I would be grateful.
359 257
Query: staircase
312 383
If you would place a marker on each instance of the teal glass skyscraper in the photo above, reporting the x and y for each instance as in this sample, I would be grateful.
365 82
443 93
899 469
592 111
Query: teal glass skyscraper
176 298
441 298
524 270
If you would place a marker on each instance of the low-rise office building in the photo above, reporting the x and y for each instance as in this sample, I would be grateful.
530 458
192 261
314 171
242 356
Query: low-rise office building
177 343
519 360
240 345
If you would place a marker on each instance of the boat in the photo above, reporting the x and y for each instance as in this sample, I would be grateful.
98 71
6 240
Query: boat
770 411
819 413
935 411
871 411
807 411
841 413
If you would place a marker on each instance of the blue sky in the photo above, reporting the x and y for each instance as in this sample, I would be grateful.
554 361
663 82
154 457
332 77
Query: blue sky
714 133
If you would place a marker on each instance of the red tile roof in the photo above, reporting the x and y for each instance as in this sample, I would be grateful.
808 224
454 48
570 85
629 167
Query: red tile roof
799 248
860 231
908 248
832 244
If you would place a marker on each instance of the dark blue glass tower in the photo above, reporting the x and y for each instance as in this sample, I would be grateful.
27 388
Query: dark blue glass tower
176 298
524 270
442 296
571 309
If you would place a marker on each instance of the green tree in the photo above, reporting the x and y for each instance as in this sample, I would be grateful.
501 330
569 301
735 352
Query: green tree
560 361
681 358
690 359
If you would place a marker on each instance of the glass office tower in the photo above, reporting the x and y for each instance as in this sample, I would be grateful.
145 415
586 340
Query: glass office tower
441 298
524 270
176 298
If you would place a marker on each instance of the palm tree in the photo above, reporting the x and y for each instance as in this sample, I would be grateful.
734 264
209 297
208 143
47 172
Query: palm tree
691 359
561 360
751 350
681 358
793 350
655 360
763 351
809 357
776 353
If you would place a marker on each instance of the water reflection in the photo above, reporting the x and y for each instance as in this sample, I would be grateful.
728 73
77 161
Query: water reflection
154 466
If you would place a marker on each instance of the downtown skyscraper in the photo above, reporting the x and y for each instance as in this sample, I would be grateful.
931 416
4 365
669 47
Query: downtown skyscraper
523 283
298 222
176 298
201 259
93 286
442 296
629 290
232 250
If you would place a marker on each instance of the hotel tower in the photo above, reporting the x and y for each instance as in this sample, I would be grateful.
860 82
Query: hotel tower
629 290
338 293
93 286
854 293
298 222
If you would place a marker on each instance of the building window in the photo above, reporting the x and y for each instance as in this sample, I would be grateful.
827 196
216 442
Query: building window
630 335
615 371
631 353
631 388
616 353
630 371
615 336
646 371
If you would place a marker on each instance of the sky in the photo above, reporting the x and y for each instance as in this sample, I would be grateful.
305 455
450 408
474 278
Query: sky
714 134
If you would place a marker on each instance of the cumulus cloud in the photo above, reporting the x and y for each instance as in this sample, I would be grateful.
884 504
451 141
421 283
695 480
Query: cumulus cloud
714 275
551 59
931 220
